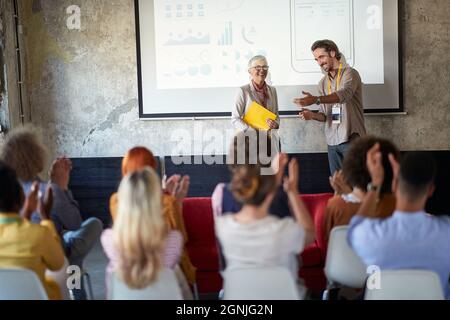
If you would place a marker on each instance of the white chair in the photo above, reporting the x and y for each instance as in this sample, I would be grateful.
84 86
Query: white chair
406 285
21 284
342 266
271 283
164 288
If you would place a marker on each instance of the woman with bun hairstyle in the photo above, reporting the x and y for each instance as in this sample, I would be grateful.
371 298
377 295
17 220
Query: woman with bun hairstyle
253 237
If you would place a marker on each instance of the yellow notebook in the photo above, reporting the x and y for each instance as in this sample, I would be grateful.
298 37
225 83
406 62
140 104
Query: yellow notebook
257 116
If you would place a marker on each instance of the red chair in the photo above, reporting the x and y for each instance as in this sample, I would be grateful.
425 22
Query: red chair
313 257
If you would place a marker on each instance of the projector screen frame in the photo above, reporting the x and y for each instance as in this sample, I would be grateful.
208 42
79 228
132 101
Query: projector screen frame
225 115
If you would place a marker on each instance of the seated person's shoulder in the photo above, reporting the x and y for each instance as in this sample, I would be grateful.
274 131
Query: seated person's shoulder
224 220
336 201
343 205
106 237
113 199
283 224
444 222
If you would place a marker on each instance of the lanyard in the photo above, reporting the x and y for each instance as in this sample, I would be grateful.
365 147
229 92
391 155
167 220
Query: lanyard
338 80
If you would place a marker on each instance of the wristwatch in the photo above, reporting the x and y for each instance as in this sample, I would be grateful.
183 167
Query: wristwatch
373 187
318 102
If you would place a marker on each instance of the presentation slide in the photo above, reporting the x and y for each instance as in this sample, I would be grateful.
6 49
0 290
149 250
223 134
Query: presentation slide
193 54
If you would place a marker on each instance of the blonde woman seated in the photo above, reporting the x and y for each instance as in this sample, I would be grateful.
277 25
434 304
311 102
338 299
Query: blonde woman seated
23 244
255 238
140 243
172 200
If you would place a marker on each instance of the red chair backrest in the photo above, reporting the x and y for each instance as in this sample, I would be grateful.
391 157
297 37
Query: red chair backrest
316 204
199 221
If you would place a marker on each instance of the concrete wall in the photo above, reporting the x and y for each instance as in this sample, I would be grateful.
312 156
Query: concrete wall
3 109
82 84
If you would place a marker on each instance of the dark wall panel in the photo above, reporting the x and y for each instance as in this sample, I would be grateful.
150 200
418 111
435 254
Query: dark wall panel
93 180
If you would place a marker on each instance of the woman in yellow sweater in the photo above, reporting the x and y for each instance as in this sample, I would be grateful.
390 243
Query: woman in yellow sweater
23 244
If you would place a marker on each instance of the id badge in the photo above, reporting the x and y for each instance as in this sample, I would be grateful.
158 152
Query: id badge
336 114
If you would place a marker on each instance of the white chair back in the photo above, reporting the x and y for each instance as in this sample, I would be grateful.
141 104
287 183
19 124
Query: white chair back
164 288
406 285
342 265
21 284
274 283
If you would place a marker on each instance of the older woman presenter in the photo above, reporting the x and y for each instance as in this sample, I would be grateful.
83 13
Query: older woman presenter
256 91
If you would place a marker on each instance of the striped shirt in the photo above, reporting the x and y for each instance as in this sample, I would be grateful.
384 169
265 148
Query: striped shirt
170 256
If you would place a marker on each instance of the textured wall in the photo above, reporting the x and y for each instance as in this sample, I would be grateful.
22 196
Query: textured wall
83 91
2 69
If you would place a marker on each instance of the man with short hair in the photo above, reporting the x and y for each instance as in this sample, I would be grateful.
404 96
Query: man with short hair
410 238
340 102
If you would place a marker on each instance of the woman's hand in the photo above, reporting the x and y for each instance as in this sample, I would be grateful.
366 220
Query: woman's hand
60 173
31 202
291 183
339 183
375 165
279 164
273 125
171 184
178 187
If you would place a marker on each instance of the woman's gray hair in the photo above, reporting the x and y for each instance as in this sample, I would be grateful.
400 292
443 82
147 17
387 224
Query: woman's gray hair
256 58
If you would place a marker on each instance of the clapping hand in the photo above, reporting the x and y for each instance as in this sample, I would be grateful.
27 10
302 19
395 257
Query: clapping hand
35 202
178 186
31 202
339 183
60 173
46 203
281 160
395 171
291 182
375 165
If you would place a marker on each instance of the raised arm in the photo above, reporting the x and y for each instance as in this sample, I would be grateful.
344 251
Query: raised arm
301 213
376 170
65 213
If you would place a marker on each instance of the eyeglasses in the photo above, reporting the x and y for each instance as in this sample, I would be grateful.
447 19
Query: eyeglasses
259 68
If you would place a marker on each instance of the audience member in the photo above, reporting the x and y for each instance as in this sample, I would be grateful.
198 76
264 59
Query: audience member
24 244
342 207
255 238
176 189
410 238
25 153
222 199
140 243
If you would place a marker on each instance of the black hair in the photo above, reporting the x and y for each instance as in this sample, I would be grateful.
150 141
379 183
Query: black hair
11 193
417 173
355 162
